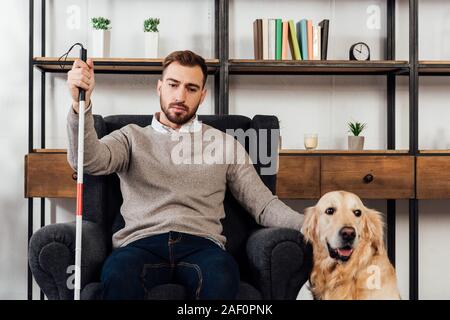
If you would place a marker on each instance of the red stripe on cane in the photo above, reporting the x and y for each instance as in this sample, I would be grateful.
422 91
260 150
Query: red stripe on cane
79 199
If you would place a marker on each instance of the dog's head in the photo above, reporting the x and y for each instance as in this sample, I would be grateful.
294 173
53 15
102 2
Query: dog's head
339 223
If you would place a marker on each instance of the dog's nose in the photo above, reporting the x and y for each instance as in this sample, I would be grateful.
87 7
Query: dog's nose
348 234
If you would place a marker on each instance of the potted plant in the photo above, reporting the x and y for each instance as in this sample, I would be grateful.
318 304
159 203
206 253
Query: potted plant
151 34
101 37
356 142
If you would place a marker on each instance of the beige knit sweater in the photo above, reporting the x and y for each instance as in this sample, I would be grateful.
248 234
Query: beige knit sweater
161 195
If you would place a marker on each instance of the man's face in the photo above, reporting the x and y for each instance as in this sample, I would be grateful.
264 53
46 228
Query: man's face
181 92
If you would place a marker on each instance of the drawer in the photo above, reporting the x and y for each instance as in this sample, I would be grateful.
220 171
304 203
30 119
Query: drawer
298 177
49 175
433 177
370 177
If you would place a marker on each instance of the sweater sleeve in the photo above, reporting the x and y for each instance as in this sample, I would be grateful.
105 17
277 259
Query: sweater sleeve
101 157
251 192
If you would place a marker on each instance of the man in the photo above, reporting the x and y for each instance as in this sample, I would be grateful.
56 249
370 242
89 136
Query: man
172 210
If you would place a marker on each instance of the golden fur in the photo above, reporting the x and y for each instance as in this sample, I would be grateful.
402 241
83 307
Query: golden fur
368 273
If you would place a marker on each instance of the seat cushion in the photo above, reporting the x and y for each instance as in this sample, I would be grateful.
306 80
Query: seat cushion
171 291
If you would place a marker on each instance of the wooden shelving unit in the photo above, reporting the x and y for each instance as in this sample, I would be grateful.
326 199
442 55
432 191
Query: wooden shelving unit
112 65
434 68
340 152
326 67
50 151
223 69
47 173
425 152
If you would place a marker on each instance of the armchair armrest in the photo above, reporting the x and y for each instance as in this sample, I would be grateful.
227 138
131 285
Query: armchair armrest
280 262
52 253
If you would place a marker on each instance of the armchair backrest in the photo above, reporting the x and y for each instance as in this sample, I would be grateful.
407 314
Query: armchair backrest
103 197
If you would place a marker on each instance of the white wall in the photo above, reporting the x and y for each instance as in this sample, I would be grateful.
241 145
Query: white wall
303 103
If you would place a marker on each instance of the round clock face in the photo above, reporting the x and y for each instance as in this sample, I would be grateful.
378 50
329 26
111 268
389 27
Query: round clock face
361 51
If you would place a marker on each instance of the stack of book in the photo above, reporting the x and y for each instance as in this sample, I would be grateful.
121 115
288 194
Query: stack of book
272 37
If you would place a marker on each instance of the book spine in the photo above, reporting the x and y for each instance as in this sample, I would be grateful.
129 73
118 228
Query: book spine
319 43
284 45
272 39
324 24
316 52
304 39
310 39
255 39
265 38
260 40
279 38
295 50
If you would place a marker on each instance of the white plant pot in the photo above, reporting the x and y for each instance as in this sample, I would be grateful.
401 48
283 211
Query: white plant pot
151 44
101 43
355 142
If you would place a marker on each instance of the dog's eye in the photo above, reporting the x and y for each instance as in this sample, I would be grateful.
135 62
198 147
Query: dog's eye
357 213
329 211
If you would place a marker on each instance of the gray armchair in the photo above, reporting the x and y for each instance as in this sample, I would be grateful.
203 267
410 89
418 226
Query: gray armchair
274 262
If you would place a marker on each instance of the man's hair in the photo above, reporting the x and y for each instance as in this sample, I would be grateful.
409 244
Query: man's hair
186 58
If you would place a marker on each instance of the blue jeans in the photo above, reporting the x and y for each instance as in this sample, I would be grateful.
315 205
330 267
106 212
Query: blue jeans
200 265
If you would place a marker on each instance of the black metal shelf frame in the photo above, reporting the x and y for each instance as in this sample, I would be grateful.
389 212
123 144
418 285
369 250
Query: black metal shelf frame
219 71
413 124
222 71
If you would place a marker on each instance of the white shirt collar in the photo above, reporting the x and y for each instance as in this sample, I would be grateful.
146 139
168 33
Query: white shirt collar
192 125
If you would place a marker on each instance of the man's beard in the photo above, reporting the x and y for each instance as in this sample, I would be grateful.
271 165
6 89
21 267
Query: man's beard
175 117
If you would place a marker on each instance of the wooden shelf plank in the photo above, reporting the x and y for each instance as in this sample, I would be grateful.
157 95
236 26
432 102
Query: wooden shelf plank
112 65
295 151
434 67
303 152
434 62
434 151
245 66
49 150
240 66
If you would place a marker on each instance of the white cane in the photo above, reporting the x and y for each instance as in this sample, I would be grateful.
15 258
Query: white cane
80 165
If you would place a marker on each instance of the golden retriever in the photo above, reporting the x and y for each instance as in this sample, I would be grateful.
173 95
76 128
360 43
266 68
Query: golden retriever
350 260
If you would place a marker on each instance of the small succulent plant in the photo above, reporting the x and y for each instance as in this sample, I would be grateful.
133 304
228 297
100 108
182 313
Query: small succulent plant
356 128
151 25
101 23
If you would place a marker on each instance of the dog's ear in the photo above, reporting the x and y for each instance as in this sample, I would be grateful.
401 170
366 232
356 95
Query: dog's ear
373 229
309 228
